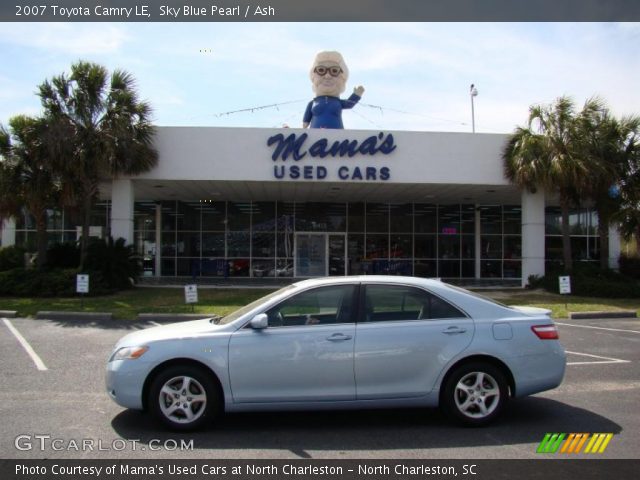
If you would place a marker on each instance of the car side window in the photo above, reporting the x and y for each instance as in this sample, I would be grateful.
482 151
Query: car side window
318 306
384 303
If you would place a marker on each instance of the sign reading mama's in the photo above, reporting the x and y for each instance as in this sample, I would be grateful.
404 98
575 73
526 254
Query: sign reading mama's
296 147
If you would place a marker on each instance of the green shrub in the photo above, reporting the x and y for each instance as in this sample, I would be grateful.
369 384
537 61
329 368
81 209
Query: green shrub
630 266
114 261
11 257
63 255
48 283
27 283
588 280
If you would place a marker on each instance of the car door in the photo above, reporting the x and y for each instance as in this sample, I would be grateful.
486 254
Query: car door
404 338
305 354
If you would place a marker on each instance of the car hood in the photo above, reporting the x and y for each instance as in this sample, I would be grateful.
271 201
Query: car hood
534 311
171 331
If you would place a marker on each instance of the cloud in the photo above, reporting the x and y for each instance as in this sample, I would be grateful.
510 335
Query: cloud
69 38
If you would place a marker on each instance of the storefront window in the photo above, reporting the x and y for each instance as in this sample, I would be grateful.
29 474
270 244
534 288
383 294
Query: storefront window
401 218
377 246
356 217
425 218
239 216
188 217
321 217
213 216
264 217
377 217
401 246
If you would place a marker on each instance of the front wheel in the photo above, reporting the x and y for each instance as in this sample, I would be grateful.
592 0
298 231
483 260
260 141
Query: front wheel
184 397
475 394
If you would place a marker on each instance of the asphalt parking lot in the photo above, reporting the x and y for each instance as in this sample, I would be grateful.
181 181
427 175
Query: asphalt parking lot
57 407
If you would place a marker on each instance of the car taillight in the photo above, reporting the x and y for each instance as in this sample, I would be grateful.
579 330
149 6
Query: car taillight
546 332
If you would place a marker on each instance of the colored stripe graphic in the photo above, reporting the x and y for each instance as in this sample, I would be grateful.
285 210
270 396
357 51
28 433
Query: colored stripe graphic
550 443
597 443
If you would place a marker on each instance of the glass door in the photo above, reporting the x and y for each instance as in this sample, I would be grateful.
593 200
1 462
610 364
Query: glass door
337 254
311 255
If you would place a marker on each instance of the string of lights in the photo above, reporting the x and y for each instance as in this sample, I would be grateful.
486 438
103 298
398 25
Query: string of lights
380 108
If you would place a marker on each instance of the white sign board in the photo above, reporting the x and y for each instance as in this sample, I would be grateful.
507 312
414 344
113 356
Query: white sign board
82 283
565 285
191 294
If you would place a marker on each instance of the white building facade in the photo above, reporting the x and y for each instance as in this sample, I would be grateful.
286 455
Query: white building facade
243 202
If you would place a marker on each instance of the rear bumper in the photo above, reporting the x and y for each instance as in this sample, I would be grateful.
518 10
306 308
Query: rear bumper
540 372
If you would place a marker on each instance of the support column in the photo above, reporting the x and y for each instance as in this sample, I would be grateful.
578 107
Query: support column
615 247
158 257
533 229
8 232
478 243
122 197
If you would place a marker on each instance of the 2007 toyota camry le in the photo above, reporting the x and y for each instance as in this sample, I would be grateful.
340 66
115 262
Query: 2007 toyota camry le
342 342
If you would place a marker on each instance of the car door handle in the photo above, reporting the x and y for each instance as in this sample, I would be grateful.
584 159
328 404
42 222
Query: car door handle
339 337
454 331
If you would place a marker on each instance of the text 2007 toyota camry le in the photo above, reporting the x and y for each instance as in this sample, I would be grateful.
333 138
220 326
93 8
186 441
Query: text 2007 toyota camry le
342 342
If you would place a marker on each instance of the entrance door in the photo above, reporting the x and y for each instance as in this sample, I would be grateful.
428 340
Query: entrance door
337 254
311 255
320 254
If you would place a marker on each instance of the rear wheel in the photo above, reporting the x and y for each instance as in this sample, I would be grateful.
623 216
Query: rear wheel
475 394
184 397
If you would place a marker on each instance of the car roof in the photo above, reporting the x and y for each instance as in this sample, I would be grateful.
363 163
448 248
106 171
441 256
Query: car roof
389 279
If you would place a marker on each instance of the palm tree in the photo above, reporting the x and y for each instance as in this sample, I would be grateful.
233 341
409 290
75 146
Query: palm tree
104 130
628 215
612 145
546 155
26 176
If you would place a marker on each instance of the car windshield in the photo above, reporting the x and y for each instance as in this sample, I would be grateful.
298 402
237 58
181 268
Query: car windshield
255 304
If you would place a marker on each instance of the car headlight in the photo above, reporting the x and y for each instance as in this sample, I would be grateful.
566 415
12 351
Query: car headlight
128 353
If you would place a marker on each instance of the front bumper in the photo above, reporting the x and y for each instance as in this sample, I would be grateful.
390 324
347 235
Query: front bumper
125 380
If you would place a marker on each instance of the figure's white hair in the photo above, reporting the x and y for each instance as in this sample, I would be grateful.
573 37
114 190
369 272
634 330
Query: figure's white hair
330 57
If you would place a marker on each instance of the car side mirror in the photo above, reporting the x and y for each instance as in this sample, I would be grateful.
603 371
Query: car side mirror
259 322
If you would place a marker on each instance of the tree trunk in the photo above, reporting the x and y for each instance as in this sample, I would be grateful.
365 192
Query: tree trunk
603 234
41 240
566 235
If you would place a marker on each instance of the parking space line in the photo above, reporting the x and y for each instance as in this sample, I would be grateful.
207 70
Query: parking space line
34 356
154 323
597 328
604 359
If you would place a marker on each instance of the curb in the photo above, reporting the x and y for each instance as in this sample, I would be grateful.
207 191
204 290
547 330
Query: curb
173 317
8 313
592 315
95 316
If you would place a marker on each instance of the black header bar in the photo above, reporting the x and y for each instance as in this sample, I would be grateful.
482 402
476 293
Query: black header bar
547 469
320 11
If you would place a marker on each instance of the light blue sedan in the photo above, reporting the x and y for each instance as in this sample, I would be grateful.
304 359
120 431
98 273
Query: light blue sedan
338 343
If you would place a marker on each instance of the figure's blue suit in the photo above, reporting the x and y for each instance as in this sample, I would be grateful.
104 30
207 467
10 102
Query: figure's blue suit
326 111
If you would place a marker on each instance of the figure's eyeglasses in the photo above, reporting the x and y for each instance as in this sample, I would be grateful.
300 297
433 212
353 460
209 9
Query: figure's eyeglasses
322 71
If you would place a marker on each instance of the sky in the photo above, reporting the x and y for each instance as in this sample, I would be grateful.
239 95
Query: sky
416 75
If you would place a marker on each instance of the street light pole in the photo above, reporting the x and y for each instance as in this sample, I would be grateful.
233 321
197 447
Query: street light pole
473 92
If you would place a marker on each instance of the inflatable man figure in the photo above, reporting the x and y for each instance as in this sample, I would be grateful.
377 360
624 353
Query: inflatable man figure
329 75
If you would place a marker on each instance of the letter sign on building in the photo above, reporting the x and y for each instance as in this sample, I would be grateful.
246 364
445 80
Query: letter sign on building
293 146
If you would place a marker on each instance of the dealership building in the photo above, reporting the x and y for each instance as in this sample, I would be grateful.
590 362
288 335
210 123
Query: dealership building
249 202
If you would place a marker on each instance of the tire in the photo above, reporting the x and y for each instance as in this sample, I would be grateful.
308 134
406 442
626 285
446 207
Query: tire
184 397
475 394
